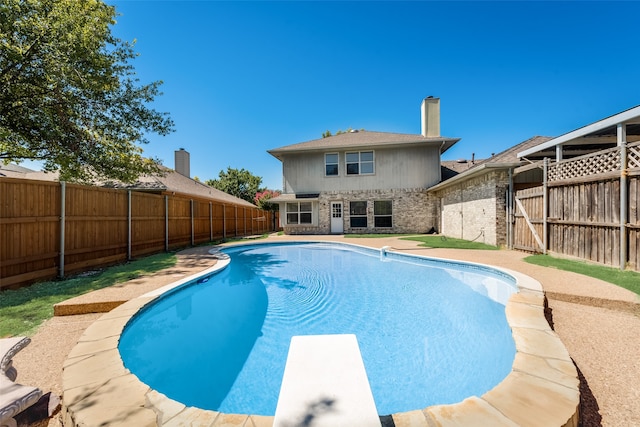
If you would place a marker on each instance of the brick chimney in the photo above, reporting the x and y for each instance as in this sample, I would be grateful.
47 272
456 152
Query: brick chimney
430 117
183 163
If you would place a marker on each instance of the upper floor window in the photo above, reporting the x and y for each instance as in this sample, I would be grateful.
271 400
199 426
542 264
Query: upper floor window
360 163
331 164
299 213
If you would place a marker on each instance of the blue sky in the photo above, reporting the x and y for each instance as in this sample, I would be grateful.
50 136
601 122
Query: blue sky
243 77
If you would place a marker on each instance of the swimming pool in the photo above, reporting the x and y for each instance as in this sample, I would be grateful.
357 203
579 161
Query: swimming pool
430 332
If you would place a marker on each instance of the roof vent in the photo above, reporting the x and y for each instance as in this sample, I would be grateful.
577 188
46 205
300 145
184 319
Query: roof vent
461 161
353 130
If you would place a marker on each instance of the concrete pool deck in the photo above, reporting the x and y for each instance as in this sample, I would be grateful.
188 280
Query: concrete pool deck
542 389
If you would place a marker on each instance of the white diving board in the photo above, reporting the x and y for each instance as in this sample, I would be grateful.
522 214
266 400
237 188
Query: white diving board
325 385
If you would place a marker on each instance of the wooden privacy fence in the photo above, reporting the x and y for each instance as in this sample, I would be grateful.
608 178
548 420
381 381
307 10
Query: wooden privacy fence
592 209
41 237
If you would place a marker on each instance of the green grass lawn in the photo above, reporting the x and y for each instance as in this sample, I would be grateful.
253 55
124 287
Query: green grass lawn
437 241
23 310
432 241
626 279
373 236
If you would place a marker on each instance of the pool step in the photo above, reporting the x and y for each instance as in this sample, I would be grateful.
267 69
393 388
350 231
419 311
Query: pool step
325 384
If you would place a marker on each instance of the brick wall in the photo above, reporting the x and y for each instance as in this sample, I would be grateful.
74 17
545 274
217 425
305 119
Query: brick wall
475 209
414 211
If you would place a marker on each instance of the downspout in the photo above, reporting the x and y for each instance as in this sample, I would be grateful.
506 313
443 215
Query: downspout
622 143
63 220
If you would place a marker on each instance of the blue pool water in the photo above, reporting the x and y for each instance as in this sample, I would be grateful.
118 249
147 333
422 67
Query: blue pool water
430 332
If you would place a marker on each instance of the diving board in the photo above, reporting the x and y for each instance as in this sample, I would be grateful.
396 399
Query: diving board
325 384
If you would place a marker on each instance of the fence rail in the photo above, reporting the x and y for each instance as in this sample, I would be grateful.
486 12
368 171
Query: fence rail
41 237
593 209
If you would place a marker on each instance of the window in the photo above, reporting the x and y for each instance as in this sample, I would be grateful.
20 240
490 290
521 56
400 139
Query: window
299 213
383 213
358 214
331 164
361 163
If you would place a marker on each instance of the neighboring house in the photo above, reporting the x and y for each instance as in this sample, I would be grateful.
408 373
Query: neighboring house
477 201
12 170
177 181
474 202
363 181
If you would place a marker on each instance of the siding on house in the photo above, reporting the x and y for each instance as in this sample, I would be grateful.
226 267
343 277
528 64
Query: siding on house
410 167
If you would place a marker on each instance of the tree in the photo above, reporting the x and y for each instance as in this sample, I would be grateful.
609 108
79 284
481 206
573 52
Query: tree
240 183
69 95
327 133
262 199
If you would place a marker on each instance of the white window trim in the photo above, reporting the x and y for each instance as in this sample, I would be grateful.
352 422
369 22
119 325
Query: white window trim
298 212
359 153
337 164
365 216
382 216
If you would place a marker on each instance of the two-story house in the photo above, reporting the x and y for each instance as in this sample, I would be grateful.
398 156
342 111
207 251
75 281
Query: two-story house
364 181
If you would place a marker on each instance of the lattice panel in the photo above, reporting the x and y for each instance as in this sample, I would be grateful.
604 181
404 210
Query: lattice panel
602 162
633 156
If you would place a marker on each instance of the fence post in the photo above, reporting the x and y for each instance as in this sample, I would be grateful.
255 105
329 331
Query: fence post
63 196
192 227
622 143
545 204
224 221
210 222
166 223
129 225
235 221
510 211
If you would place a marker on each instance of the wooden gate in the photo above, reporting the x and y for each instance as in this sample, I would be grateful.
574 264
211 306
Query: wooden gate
528 232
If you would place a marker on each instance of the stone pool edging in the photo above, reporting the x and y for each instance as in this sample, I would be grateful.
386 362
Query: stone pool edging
542 389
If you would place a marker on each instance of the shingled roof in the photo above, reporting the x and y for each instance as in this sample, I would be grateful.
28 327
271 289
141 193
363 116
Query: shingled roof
363 139
171 181
510 155
175 182
505 159
451 168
